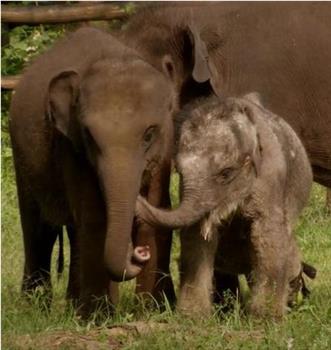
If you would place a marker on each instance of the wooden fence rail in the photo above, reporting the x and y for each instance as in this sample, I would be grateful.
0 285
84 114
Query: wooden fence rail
9 82
56 14
61 13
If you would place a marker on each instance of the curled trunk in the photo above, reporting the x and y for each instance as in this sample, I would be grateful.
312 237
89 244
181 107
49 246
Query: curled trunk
188 213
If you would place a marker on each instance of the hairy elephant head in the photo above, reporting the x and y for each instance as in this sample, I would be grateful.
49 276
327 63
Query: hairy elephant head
218 157
118 115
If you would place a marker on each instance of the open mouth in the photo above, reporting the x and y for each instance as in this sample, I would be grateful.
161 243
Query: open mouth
141 254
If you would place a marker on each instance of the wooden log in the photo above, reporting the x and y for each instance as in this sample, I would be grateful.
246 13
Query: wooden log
9 82
61 13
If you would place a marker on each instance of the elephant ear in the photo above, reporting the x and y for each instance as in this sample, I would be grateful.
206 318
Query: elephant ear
201 71
187 66
61 103
193 54
252 111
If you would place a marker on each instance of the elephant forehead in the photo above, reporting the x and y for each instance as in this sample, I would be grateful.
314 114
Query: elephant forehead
123 111
124 87
192 163
209 137
127 96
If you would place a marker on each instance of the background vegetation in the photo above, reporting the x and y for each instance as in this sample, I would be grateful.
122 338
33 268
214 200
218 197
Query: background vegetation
134 326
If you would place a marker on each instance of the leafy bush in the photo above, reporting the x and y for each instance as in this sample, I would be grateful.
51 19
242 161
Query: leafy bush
24 43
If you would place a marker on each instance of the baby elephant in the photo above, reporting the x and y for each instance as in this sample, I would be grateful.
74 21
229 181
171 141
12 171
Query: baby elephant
245 177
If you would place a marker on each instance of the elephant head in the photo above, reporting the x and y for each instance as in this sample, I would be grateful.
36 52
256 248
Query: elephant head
218 158
179 42
117 114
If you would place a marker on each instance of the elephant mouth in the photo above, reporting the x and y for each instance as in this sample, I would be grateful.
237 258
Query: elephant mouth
141 254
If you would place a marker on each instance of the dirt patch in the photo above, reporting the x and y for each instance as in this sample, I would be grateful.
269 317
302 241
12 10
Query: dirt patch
114 338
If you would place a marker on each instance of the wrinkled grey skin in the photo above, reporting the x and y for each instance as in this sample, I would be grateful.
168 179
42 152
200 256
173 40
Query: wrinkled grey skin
281 49
245 179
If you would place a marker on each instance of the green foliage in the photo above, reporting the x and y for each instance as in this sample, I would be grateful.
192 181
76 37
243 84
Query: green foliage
24 43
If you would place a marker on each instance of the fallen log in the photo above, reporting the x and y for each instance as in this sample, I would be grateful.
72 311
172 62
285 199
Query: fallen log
61 13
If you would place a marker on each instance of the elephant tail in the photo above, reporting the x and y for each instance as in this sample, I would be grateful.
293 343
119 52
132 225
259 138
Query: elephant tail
309 271
60 259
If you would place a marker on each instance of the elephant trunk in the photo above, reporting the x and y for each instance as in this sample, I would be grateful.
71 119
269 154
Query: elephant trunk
121 185
189 212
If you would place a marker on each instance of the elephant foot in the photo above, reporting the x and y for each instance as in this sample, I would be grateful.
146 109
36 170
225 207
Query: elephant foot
190 309
98 306
156 287
267 305
97 309
195 302
263 312
161 297
38 290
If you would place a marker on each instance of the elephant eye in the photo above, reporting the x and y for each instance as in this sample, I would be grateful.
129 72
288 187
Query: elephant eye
226 175
149 136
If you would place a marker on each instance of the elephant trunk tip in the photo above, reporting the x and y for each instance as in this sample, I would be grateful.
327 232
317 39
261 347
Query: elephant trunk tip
136 260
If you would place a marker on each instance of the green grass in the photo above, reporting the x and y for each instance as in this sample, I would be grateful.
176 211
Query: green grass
25 326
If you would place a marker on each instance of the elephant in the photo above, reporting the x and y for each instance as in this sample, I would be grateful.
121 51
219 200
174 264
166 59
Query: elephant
91 127
245 179
280 49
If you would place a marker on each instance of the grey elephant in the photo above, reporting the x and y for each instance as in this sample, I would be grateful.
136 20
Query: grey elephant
250 46
245 179
91 127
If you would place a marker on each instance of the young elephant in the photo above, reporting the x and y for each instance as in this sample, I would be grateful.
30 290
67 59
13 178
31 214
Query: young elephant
91 127
245 179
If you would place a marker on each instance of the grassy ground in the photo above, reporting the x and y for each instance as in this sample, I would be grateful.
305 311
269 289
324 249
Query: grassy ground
24 326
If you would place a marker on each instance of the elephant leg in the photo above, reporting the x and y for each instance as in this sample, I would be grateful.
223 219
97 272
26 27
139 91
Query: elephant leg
155 279
39 240
94 282
113 292
38 252
73 283
197 270
269 278
225 285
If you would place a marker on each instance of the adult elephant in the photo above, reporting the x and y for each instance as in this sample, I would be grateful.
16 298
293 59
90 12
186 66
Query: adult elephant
91 127
281 50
